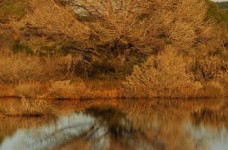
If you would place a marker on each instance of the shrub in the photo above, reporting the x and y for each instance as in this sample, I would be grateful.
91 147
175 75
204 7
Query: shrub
23 68
17 69
12 9
224 80
161 76
209 68
217 14
17 47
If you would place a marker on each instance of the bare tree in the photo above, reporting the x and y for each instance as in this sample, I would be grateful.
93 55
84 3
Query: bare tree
119 25
142 23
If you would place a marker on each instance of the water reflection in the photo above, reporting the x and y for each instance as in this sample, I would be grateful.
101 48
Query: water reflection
209 128
49 136
215 117
131 125
206 138
97 126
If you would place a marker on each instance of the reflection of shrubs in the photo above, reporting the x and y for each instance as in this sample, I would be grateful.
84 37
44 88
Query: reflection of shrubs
161 76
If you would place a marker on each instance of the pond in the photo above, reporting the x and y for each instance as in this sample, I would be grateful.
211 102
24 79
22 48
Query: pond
119 125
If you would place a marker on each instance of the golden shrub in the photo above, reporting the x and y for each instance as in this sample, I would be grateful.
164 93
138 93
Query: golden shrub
23 68
209 68
161 76
15 69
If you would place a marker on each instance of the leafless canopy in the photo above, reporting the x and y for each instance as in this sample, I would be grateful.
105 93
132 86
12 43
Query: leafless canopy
142 22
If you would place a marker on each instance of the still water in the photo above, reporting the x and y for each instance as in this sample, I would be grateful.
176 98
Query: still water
120 125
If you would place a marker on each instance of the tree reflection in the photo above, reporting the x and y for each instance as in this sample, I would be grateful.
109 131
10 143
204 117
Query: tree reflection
119 129
100 127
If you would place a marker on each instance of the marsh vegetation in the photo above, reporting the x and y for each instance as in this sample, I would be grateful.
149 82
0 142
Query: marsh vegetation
58 49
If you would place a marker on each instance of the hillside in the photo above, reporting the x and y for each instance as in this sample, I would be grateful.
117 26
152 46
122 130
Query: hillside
112 40
217 14
223 4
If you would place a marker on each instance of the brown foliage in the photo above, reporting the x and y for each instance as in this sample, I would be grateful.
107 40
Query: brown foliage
209 68
161 76
22 68
141 23
54 20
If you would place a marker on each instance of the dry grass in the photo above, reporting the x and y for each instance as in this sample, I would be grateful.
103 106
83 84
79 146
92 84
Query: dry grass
17 69
62 89
30 90
67 90
80 90
21 68
7 91
212 89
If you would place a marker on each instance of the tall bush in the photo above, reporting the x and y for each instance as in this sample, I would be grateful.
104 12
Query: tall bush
162 76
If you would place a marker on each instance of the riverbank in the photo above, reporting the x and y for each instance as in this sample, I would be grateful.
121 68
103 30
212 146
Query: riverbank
65 89
84 90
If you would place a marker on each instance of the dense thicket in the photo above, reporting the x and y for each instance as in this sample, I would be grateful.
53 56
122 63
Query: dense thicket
114 39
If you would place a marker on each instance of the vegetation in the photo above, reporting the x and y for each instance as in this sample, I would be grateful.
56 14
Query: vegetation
162 76
12 9
58 49
223 4
217 14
